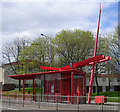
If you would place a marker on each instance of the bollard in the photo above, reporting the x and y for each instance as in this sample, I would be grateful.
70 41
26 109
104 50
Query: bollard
68 99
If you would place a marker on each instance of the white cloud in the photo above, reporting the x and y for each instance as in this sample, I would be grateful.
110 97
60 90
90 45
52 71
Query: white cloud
32 19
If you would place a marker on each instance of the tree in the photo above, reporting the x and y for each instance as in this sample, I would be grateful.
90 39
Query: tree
108 46
38 53
11 53
104 67
72 46
115 51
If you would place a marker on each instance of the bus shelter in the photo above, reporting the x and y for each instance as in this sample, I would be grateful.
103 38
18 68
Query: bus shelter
67 80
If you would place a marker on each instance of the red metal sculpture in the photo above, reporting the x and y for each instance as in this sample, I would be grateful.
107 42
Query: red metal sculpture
70 81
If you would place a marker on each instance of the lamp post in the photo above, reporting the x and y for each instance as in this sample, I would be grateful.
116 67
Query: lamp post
50 46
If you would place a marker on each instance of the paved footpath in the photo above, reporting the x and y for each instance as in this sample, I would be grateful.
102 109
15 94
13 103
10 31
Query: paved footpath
47 107
17 108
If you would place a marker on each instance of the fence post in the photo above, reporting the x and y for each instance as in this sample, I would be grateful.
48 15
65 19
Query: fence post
9 101
31 97
54 98
68 99
47 97
56 101
23 100
15 95
39 102
102 104
7 95
78 102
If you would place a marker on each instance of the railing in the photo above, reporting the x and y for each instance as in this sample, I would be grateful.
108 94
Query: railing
58 102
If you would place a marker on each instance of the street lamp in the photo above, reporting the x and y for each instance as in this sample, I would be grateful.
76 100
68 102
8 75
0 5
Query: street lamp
50 46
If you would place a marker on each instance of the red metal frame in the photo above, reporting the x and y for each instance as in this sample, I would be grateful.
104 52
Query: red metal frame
49 68
90 61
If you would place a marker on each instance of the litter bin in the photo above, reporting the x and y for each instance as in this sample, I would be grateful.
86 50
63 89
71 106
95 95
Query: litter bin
100 99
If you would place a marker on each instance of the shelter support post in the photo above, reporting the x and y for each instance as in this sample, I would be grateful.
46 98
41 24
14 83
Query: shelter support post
72 86
41 90
85 84
33 89
47 90
54 91
85 87
23 89
61 88
54 86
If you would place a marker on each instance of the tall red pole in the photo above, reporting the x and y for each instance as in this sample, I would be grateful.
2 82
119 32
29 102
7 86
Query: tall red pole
93 67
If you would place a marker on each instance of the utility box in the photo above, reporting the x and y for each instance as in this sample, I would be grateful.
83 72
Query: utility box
100 99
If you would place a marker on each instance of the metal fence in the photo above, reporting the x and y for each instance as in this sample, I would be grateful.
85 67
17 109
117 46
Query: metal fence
58 102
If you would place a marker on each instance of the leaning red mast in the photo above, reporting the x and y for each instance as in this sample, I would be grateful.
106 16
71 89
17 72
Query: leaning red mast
93 66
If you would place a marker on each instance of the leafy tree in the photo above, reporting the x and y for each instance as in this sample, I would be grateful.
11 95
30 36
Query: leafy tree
115 51
102 48
72 46
38 53
110 47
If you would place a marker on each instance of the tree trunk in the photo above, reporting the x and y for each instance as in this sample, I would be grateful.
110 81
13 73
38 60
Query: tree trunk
96 72
19 85
97 84
109 84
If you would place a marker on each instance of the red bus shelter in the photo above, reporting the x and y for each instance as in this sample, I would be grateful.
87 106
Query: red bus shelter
68 80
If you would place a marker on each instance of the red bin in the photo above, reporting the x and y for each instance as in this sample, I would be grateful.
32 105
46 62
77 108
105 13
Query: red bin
100 99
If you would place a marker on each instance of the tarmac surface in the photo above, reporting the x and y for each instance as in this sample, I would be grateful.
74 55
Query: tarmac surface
18 108
50 107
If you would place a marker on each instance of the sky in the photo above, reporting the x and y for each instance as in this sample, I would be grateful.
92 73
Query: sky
30 19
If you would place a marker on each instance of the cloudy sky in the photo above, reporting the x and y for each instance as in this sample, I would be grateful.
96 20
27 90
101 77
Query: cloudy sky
32 18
